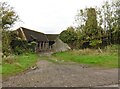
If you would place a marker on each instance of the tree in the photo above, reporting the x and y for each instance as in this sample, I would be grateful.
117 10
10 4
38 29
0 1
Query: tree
89 31
7 15
81 18
116 22
110 20
92 31
8 18
91 22
99 26
69 36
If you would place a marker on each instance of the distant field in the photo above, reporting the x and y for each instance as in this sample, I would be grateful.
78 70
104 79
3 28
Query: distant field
17 64
107 59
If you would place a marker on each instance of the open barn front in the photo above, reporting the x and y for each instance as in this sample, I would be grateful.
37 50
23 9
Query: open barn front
42 46
44 42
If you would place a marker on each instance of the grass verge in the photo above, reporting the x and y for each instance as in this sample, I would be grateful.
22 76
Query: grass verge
17 64
90 57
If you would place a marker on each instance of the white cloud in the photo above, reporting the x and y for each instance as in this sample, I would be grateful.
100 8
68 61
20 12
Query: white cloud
49 16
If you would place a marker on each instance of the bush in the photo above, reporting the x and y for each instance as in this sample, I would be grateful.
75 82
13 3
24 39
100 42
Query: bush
21 46
69 36
6 39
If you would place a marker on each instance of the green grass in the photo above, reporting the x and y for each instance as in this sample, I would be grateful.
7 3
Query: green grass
19 64
0 69
90 57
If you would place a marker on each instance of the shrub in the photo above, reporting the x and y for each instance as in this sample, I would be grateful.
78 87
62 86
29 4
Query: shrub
69 36
21 46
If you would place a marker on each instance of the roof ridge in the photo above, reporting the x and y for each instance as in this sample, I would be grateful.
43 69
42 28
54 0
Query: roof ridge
33 33
32 30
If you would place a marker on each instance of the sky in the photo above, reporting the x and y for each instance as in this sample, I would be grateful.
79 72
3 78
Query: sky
49 16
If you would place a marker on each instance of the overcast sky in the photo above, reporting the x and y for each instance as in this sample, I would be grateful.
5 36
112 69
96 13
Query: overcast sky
49 16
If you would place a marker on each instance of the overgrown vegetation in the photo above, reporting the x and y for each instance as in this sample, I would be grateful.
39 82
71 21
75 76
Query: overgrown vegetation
8 18
69 36
17 54
97 27
7 15
11 42
16 64
92 57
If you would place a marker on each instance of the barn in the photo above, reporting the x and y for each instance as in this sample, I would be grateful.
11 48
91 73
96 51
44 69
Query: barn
45 42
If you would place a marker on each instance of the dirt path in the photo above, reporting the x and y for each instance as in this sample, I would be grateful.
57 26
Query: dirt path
50 74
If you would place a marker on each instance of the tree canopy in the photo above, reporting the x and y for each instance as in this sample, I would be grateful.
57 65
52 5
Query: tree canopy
69 36
97 27
7 15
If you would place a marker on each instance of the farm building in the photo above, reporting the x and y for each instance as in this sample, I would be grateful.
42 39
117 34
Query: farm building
45 42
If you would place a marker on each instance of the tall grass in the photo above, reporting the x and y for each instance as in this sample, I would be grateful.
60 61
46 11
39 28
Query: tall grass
108 58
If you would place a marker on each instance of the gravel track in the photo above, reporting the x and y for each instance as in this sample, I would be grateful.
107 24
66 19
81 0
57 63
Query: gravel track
49 74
